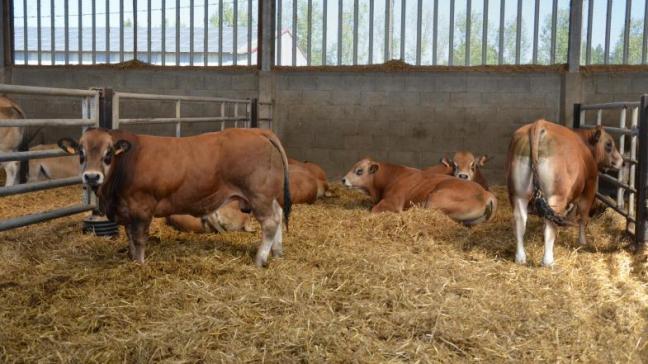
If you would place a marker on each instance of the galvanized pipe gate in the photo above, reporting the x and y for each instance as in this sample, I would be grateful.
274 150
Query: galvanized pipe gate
100 107
632 181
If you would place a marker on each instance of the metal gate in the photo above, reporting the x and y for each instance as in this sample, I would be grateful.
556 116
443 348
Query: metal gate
631 181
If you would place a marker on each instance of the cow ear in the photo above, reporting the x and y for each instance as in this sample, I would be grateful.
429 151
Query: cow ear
121 146
481 161
373 168
68 145
445 161
596 136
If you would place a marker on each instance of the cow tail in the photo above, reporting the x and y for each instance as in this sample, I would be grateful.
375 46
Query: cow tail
542 208
287 205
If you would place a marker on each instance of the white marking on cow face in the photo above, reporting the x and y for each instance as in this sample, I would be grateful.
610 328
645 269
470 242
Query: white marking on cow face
465 165
361 175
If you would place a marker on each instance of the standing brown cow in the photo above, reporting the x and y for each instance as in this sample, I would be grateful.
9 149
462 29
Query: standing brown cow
555 168
463 165
138 177
396 188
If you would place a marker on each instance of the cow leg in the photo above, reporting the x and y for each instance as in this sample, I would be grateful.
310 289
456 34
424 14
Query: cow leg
520 216
138 237
11 172
584 207
277 241
549 238
270 219
131 244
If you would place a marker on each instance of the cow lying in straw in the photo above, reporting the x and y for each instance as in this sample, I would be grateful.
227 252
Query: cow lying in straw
463 165
138 177
396 188
556 169
10 138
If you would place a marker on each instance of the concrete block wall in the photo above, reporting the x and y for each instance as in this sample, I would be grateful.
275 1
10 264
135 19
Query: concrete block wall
408 118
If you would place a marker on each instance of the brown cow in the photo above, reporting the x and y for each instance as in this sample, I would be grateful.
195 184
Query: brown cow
463 165
396 188
10 138
52 168
227 218
317 172
556 169
138 177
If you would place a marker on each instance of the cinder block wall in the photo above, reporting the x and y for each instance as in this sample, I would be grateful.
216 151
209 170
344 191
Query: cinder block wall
408 118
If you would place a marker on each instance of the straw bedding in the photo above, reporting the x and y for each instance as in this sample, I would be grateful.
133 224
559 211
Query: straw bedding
351 287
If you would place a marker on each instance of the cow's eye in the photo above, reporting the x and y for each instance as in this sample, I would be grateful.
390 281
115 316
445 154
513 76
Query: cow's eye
81 157
608 146
359 172
108 158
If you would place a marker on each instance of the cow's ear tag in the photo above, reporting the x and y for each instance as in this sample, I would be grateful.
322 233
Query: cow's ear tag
68 145
121 147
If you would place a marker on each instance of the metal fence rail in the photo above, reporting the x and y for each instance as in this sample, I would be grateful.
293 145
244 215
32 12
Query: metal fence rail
89 117
631 181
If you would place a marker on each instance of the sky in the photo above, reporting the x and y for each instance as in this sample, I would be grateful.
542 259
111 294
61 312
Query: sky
598 34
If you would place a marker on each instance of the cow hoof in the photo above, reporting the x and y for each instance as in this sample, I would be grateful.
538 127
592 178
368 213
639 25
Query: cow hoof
261 262
520 259
277 253
547 263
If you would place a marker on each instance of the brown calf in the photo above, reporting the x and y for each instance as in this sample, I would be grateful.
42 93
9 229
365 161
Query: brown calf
138 177
396 188
463 165
555 168
317 172
10 138
227 218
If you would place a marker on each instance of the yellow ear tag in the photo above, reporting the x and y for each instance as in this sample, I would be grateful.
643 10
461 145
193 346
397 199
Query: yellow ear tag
118 151
70 150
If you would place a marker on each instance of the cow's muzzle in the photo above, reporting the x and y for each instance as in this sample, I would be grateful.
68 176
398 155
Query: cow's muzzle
462 176
92 179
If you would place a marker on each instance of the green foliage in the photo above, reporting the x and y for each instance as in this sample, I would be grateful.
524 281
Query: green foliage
635 44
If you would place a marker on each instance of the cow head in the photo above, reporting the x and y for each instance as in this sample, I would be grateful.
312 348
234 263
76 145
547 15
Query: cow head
97 151
464 164
361 175
604 149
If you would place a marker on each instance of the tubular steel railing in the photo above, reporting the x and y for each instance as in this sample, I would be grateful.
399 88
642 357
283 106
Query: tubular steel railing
89 117
631 181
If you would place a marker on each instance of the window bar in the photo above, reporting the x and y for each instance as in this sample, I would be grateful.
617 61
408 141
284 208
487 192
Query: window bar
518 33
206 33
107 31
177 34
485 34
249 34
66 15
536 25
644 49
52 34
554 20
451 38
626 32
294 33
435 29
94 31
80 35
163 35
419 20
633 155
235 35
500 56
121 31
191 32
324 16
588 46
26 51
148 32
38 31
355 32
608 21
388 25
309 32
339 45
279 30
468 26
402 35
371 31
621 177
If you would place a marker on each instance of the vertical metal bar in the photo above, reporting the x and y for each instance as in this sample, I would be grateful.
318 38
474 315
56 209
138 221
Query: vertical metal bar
554 21
236 109
235 35
94 31
518 32
279 28
66 15
626 32
222 110
355 32
206 34
220 32
115 110
371 31
52 34
177 34
191 32
500 56
621 176
254 113
642 178
107 31
419 21
388 32
536 25
608 22
25 44
38 31
309 33
451 38
484 50
575 35
339 45
403 34
294 33
80 33
249 34
577 115
633 155
599 117
644 47
148 32
588 47
163 36
435 32
121 31
324 21
178 131
468 30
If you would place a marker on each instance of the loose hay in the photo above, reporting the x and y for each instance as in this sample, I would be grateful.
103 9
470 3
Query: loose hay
352 287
